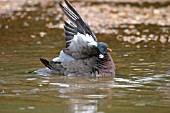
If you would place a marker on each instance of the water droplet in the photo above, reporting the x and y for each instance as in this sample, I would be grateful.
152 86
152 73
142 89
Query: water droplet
131 26
31 107
60 84
6 27
138 46
29 17
31 79
125 55
32 36
45 81
21 108
163 39
26 24
140 104
145 46
42 34
37 18
47 19
127 31
1 70
137 69
169 39
127 45
2 92
141 59
138 33
39 42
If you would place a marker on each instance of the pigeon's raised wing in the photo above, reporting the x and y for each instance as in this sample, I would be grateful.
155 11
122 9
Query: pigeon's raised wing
80 40
77 24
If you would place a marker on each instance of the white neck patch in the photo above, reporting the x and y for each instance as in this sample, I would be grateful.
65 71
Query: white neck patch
101 56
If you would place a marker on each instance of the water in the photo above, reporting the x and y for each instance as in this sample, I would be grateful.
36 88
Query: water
141 83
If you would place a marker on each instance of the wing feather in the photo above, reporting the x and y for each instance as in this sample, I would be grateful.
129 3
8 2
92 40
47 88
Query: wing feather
77 24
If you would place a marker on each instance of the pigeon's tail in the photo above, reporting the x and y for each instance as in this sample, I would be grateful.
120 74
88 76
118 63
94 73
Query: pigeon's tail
56 67
46 63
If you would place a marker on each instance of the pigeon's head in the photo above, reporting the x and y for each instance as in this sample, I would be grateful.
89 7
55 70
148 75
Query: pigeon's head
103 49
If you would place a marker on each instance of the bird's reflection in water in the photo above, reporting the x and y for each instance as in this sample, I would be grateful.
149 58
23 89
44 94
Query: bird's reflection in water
83 106
92 95
84 95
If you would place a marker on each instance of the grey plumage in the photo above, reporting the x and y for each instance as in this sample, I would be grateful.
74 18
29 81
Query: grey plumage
79 49
92 66
81 55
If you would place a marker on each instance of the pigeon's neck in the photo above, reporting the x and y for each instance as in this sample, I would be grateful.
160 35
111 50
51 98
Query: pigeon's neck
106 66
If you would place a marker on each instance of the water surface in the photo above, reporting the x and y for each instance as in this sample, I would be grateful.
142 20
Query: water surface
141 53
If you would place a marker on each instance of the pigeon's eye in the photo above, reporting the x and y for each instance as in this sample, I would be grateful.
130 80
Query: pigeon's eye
102 49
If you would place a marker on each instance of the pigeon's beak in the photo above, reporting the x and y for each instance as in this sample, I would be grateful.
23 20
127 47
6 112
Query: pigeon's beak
109 50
